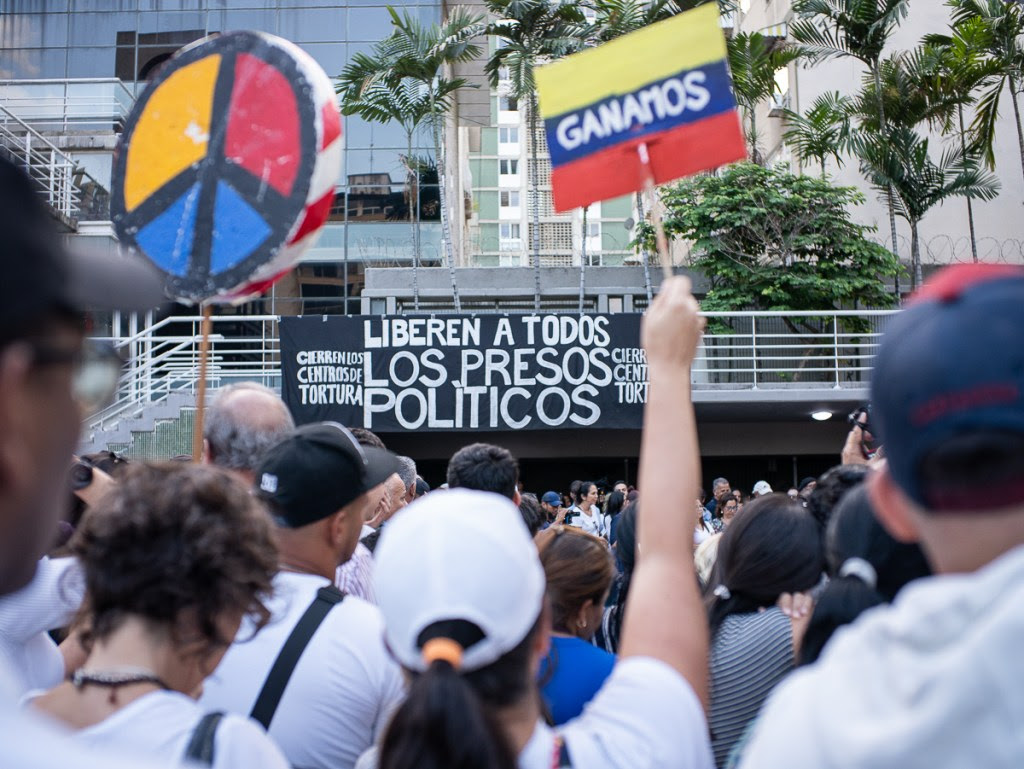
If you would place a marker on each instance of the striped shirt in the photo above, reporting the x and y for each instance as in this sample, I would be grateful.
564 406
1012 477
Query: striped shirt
355 576
750 654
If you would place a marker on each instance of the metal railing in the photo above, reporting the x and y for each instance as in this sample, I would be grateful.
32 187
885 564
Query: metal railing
742 351
43 161
789 350
163 359
67 105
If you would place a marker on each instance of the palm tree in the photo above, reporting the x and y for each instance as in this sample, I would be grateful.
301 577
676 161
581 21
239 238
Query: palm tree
753 62
899 160
859 29
821 132
532 32
366 90
953 69
423 54
1002 24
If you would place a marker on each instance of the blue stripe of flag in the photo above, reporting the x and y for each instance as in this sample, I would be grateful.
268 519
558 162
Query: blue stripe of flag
658 106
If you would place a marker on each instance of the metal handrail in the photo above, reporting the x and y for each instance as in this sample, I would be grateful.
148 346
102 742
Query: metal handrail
44 161
77 105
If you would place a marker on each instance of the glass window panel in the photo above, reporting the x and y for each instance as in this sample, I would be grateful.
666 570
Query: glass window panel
330 56
32 63
262 20
376 200
386 242
375 161
91 62
307 25
33 30
370 24
361 134
94 6
172 22
32 6
100 28
174 5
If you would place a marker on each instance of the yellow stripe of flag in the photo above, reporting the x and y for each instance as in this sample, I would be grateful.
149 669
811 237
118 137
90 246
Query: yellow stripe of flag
685 41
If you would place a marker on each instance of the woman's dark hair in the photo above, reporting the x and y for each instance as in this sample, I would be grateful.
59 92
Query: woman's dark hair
174 538
614 503
529 509
585 488
854 532
772 546
449 720
578 568
625 552
831 487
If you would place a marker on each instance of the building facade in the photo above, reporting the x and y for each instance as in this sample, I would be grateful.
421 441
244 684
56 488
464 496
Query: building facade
72 69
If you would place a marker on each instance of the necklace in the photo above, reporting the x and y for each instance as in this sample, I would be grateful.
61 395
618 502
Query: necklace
114 679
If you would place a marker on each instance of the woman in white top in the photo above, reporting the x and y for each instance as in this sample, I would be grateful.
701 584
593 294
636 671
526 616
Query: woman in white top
462 593
173 560
590 518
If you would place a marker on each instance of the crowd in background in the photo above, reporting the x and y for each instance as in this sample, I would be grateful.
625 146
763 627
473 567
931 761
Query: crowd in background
300 597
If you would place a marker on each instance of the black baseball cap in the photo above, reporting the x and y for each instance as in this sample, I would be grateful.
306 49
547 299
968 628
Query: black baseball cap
41 277
316 471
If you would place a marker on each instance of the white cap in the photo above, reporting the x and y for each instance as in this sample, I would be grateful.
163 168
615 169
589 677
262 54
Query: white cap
762 487
458 555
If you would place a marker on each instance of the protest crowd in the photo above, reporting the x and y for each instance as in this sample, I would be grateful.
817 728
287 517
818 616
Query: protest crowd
300 597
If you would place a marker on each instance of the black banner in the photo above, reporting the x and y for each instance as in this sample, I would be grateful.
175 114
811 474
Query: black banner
465 372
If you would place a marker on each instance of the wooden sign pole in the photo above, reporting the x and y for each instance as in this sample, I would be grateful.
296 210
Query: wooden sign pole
204 354
652 204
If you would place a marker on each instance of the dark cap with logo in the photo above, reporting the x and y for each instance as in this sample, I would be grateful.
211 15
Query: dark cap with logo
316 471
952 363
41 277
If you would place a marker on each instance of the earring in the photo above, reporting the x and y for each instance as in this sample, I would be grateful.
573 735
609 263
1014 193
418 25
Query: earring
582 625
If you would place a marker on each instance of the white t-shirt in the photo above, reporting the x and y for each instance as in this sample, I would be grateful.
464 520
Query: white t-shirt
160 725
31 741
646 716
934 680
49 601
594 523
342 690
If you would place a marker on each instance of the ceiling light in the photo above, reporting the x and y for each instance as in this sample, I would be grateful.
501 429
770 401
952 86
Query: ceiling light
821 416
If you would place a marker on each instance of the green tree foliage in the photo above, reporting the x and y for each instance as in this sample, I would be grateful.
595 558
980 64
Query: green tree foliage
369 88
898 159
821 132
999 31
753 62
858 29
771 240
412 66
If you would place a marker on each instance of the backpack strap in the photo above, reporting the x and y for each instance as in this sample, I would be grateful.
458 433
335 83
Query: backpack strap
564 762
200 747
560 759
277 679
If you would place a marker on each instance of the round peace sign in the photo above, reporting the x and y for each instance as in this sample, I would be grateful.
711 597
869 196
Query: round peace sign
217 161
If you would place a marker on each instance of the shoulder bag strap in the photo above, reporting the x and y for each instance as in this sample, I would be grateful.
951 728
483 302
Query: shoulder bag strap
200 747
266 704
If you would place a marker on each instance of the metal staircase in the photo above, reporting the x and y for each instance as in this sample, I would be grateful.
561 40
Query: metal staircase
56 174
158 391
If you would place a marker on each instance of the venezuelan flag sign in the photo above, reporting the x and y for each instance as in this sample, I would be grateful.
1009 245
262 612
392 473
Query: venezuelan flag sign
666 86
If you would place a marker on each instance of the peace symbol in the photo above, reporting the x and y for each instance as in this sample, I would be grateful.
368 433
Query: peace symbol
215 163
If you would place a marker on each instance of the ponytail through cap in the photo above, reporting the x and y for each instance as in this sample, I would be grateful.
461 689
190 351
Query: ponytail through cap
442 649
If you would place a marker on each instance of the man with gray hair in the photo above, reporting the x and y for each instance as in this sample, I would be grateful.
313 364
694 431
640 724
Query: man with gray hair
244 421
407 472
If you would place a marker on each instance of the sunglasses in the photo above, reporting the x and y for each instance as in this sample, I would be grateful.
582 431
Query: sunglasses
97 371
